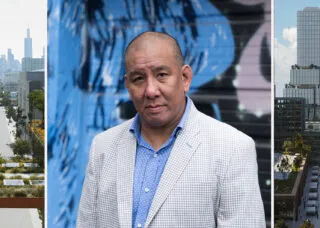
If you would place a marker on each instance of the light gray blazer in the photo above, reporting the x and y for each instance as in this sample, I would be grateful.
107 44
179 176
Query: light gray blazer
210 179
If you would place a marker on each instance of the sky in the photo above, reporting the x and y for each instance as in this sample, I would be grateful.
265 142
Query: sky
285 38
15 17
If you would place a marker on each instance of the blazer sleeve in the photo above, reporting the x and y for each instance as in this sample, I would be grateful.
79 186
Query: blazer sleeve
88 203
240 203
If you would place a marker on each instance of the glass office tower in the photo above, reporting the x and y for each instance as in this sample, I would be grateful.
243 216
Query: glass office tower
305 75
308 36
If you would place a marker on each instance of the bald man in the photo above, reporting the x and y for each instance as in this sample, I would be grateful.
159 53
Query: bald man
171 165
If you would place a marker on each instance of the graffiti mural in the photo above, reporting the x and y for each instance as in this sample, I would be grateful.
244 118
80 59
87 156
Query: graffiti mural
227 44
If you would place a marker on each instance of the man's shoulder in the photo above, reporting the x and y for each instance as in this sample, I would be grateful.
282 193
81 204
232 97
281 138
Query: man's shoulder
215 128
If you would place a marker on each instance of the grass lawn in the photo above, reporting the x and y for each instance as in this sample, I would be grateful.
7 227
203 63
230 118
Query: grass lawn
285 186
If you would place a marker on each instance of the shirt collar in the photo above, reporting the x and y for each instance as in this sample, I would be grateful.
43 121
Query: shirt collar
135 126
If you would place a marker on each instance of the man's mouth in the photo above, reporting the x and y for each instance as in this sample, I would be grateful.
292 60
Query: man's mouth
154 108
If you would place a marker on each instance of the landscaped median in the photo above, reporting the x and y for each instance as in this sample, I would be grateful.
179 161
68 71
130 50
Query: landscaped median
21 178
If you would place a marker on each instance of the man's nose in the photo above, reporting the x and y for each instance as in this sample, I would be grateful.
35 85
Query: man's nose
152 88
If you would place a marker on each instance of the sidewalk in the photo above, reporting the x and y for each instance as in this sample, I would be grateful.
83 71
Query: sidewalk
18 218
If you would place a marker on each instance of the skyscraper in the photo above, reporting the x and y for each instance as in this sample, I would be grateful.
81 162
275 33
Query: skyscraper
308 33
28 45
305 75
10 59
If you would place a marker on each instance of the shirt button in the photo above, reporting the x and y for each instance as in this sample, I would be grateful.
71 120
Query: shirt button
155 155
146 189
139 225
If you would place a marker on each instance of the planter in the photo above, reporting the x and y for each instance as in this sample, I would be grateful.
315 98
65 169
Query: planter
22 202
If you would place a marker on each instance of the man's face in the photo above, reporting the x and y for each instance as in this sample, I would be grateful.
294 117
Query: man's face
157 83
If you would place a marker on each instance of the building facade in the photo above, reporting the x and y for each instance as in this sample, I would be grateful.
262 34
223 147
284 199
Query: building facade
308 33
29 81
32 64
10 81
28 45
305 83
289 119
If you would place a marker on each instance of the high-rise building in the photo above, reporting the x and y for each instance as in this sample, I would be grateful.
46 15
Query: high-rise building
31 64
10 59
12 64
289 119
28 45
28 82
305 75
308 33
3 66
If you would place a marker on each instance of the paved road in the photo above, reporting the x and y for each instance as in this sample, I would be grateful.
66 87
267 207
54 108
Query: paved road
17 218
5 150
302 213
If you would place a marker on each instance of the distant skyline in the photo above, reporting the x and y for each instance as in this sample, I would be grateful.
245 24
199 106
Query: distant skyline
15 17
285 43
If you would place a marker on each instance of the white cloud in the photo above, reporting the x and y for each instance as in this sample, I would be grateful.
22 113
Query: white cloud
284 58
290 34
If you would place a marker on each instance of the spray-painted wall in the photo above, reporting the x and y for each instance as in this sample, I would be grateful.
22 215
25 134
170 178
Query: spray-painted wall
227 43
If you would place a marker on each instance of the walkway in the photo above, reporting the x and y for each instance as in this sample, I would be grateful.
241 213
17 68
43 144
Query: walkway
5 139
17 218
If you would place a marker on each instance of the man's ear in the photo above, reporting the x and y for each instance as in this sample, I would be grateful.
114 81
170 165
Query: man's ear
186 77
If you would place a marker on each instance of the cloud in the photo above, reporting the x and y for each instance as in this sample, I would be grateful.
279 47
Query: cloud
290 34
284 57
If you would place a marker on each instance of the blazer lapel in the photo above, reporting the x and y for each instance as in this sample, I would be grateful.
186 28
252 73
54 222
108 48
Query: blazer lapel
125 171
185 145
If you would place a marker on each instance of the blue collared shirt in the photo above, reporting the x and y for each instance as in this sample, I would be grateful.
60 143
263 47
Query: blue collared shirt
149 166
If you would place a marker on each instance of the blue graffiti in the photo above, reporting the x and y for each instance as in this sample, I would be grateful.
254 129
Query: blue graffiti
86 93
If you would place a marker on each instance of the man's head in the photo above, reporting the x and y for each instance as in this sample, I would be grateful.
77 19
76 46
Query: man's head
157 79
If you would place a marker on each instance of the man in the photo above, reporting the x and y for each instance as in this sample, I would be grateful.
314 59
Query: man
171 165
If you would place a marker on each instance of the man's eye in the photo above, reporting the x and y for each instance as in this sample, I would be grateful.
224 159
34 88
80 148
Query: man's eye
136 79
162 74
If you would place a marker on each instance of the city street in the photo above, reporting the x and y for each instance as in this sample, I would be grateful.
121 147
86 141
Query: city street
301 211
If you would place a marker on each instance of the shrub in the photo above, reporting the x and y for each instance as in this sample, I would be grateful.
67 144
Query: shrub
21 147
38 191
36 177
297 161
20 193
26 181
2 160
16 177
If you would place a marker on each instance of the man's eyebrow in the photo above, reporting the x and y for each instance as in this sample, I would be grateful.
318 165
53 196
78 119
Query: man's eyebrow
135 72
159 68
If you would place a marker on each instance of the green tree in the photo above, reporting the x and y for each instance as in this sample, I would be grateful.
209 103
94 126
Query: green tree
306 224
36 100
284 166
297 162
287 146
296 145
21 148
10 112
300 147
20 121
281 224
6 99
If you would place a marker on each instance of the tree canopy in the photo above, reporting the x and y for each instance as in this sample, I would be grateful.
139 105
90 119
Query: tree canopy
21 147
